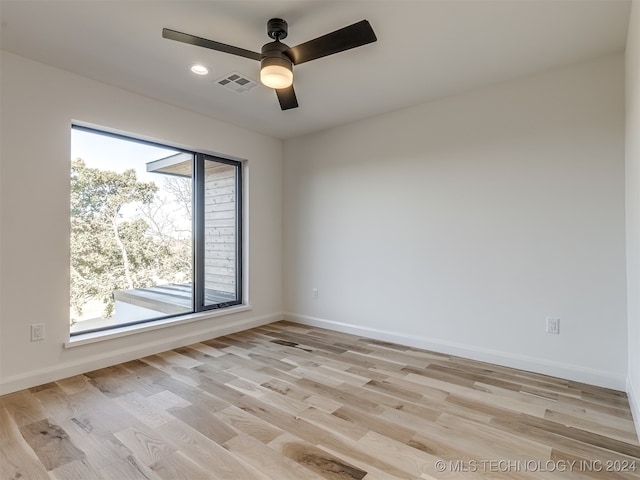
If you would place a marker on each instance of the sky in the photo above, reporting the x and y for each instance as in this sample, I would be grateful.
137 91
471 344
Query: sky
114 153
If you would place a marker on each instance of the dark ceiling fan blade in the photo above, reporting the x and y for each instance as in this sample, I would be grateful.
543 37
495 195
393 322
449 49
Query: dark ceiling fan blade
213 45
287 98
346 38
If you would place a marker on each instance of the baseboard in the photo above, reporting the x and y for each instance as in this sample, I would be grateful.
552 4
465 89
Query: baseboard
532 364
634 403
543 366
89 363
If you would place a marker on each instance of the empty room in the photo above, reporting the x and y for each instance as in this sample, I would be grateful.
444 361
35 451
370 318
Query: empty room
305 239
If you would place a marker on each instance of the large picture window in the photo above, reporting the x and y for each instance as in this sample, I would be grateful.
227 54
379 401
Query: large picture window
155 231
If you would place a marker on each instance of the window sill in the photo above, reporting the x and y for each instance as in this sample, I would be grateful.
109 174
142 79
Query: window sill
94 337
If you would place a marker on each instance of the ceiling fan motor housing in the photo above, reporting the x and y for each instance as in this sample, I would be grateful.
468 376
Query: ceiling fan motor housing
273 54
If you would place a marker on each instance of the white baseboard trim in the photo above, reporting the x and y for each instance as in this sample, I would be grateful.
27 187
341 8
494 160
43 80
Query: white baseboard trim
577 373
634 402
94 362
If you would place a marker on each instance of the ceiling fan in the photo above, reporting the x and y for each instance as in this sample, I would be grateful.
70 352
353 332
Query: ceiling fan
277 59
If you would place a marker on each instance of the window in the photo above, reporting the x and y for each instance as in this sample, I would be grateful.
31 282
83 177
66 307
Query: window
155 231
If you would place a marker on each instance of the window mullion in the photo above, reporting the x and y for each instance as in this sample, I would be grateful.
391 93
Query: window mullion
198 229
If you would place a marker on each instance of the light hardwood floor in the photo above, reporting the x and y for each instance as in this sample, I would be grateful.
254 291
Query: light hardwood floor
286 401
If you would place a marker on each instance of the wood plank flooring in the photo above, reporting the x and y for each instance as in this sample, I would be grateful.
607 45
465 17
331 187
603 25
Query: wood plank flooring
286 401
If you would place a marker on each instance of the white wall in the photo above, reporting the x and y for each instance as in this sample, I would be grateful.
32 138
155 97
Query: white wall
459 225
633 205
38 105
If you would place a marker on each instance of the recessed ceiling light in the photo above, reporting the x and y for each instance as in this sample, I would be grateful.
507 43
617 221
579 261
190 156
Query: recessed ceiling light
199 69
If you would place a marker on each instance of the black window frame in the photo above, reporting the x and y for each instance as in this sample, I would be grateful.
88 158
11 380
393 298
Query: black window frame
198 229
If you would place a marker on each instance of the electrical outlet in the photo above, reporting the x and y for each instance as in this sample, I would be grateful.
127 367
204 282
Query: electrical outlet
314 293
553 325
37 332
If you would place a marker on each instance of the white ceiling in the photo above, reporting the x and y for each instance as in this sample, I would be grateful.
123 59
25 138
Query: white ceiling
426 49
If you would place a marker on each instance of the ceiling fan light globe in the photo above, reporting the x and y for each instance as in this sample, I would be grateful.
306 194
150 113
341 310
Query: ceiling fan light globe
276 76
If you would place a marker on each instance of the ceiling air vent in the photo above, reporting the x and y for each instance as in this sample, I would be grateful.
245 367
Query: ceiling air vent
236 82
